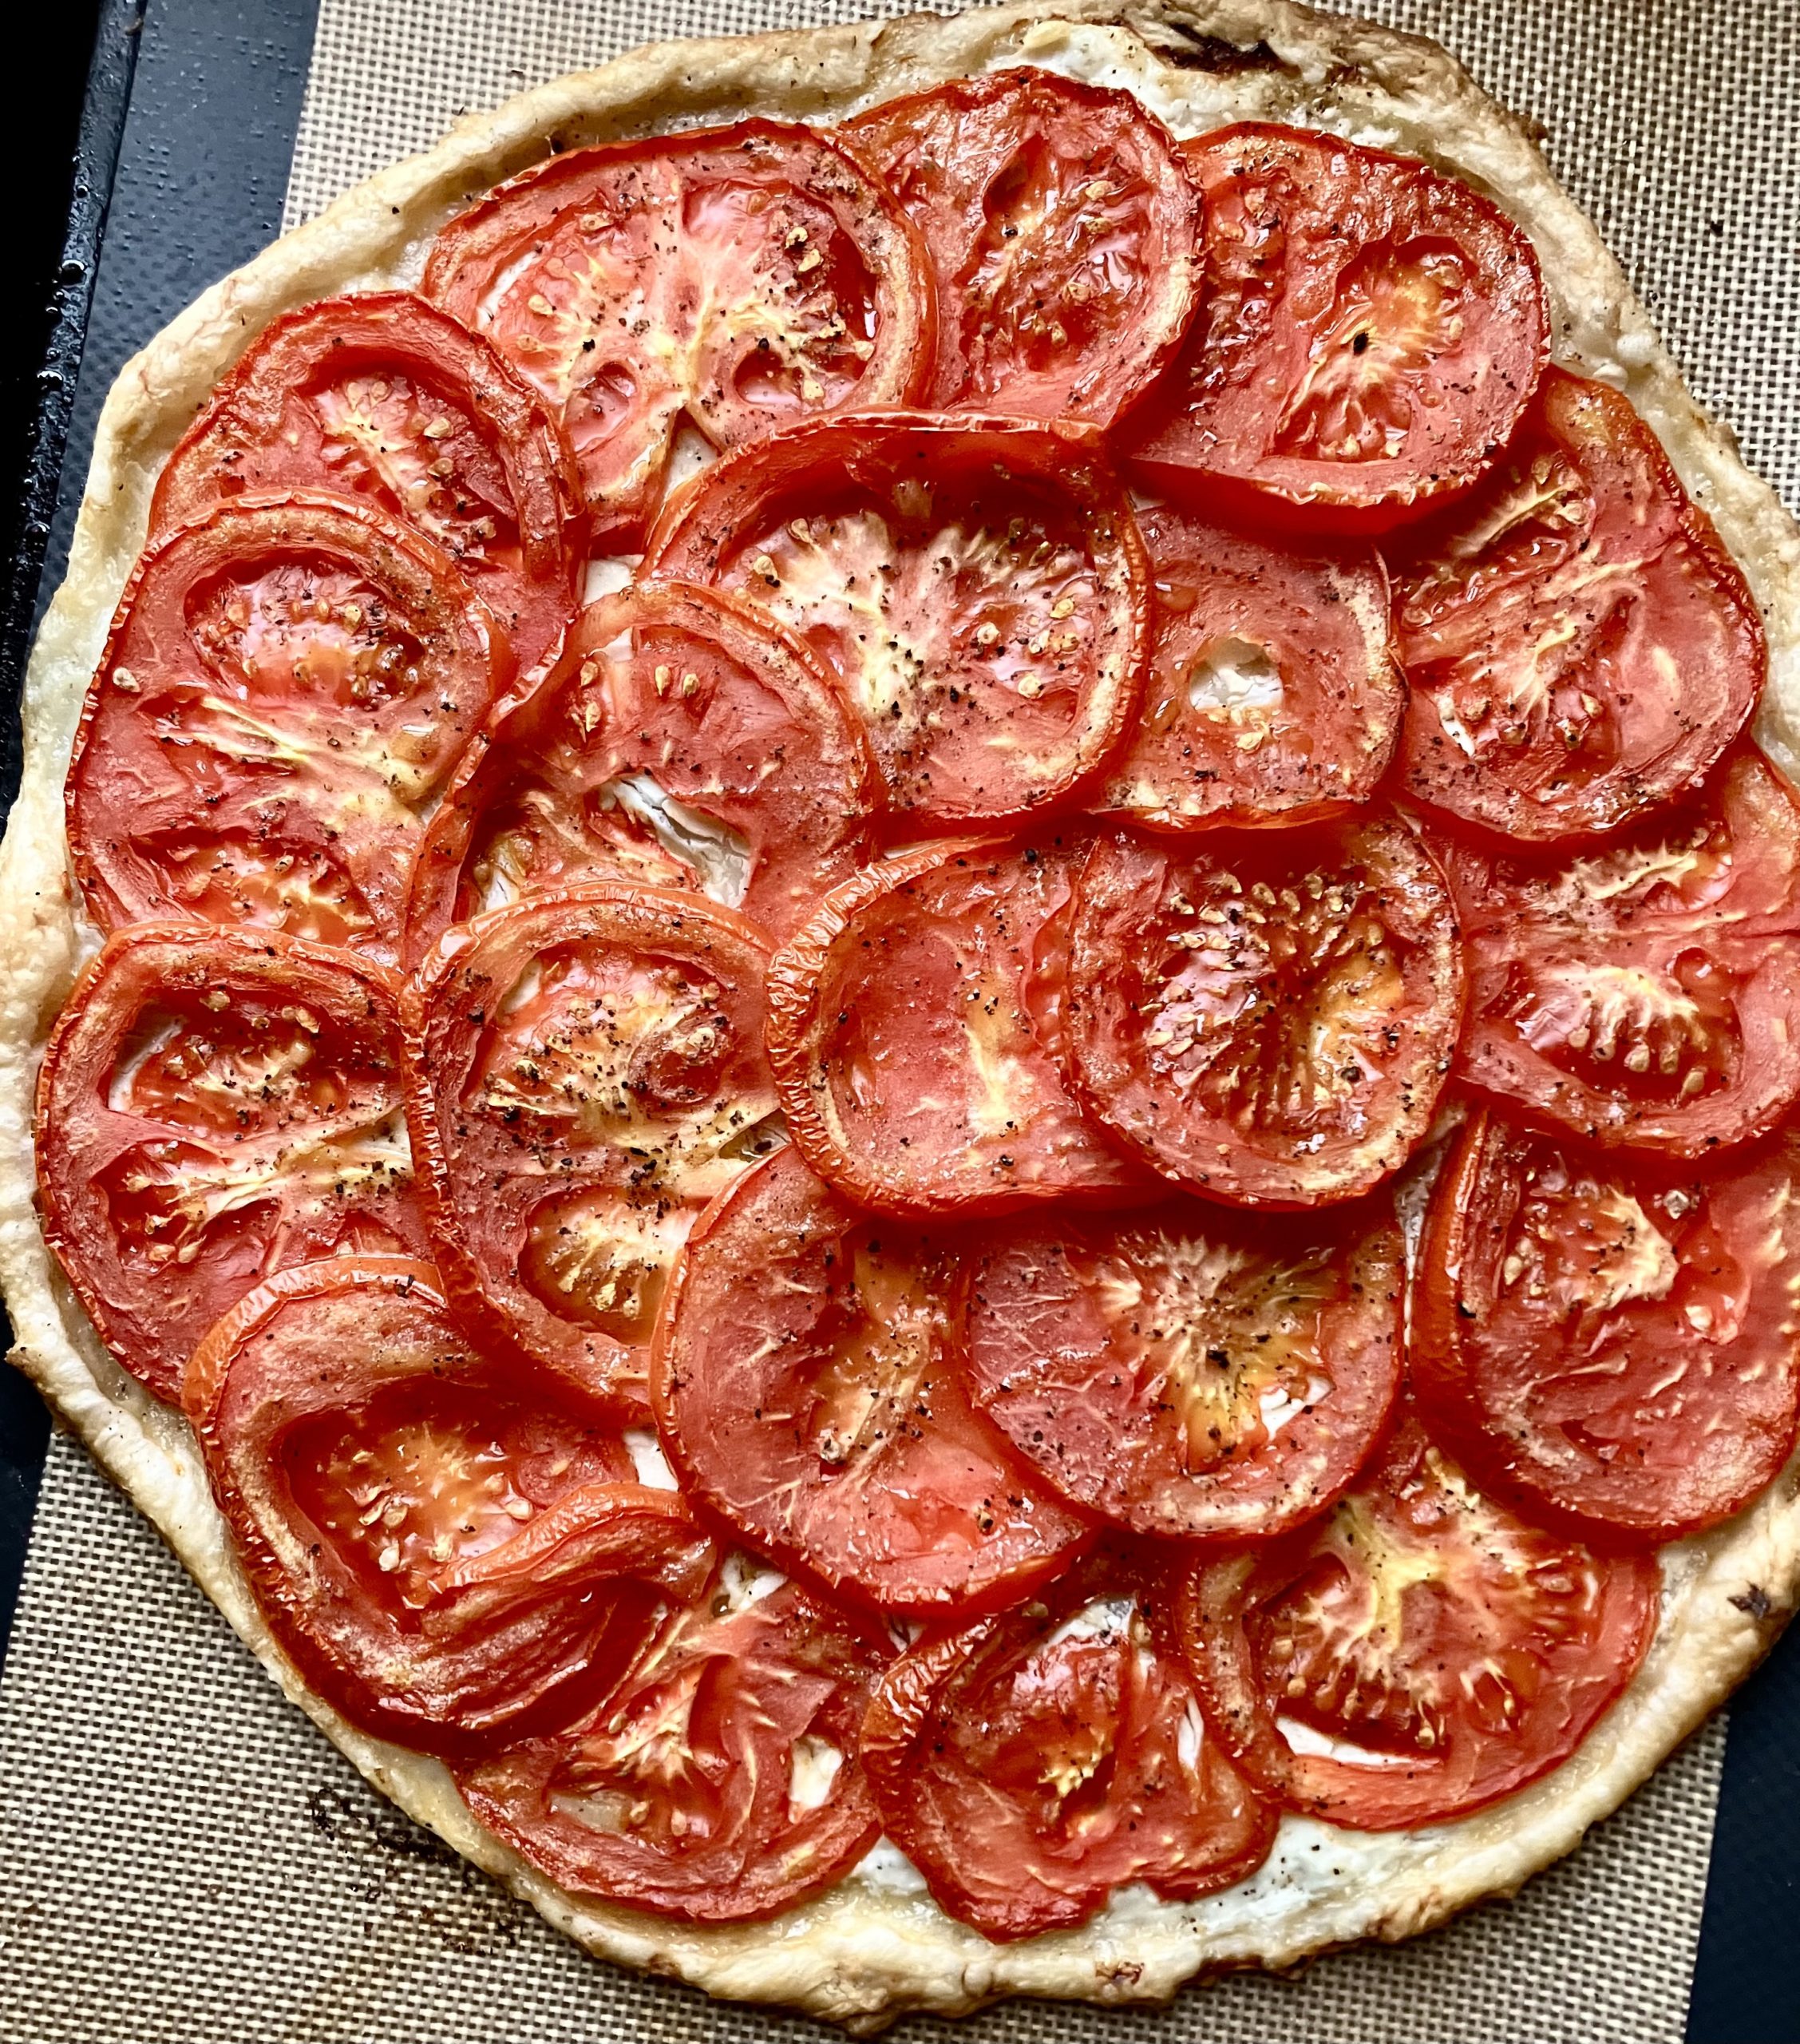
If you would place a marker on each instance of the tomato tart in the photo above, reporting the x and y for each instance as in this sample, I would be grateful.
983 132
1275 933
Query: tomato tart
901 1001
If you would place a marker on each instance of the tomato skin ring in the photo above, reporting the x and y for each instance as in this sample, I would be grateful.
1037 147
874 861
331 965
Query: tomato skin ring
459 269
432 1013
1721 960
302 1587
1043 99
1030 1881
1477 1392
798 1021
753 1855
1456 1775
692 540
337 333
1686 612
1058 1313
1114 1068
294 522
804 1004
526 723
763 1476
1232 456
131 971
1315 620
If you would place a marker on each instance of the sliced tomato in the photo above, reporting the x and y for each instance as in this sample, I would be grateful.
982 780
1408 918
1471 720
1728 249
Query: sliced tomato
979 584
1272 694
446 1550
1646 992
1034 1761
807 1385
1063 229
286 688
588 1071
1609 1342
384 398
1184 1372
1418 1655
213 1107
1580 646
915 1031
718 1781
728 279
1371 332
1266 1020
676 741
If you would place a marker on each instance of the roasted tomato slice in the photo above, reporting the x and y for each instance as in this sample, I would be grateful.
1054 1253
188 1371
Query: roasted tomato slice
446 1550
386 398
915 1031
1371 332
212 1109
1417 1655
1608 1340
1580 645
285 690
1264 1019
731 280
677 741
1646 992
1272 696
718 1780
1063 228
807 1384
979 584
588 1071
1184 1372
1031 1763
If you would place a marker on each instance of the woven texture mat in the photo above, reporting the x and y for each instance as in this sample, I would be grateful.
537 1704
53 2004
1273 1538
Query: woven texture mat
182 1857
184 1860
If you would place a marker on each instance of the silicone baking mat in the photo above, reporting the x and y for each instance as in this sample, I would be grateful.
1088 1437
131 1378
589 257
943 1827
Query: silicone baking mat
182 1857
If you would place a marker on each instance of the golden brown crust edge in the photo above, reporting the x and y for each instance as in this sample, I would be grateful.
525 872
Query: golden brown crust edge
876 1947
